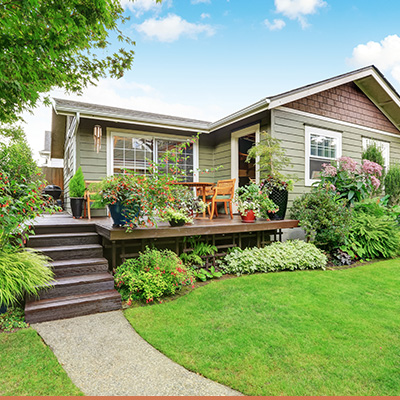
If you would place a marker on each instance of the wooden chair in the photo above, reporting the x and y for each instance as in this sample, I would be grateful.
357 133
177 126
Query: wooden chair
224 188
88 200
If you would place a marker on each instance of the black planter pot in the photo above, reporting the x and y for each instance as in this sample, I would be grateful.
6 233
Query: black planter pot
77 206
180 222
280 198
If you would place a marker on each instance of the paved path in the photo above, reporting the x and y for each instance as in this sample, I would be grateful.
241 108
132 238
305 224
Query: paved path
104 356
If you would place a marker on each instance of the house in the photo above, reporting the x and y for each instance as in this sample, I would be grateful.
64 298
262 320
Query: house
316 124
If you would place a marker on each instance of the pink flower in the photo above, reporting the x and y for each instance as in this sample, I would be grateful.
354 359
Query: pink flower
375 181
348 164
372 168
329 170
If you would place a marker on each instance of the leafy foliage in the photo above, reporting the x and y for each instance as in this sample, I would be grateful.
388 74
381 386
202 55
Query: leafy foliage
278 256
350 180
170 214
374 153
374 231
251 197
152 275
372 237
46 44
203 274
77 184
12 319
392 184
22 271
271 160
323 216
21 184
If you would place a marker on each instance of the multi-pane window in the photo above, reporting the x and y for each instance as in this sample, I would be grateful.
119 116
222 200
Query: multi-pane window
136 154
322 147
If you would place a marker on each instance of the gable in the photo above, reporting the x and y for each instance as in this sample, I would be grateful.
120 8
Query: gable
346 103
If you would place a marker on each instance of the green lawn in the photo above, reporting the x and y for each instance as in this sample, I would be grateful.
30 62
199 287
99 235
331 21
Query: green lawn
29 368
290 333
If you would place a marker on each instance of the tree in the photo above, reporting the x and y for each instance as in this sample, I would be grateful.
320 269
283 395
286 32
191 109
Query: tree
51 43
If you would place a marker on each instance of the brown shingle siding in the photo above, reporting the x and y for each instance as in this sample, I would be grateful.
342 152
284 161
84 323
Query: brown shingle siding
346 103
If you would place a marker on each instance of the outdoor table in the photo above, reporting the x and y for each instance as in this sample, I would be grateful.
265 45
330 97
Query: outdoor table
200 186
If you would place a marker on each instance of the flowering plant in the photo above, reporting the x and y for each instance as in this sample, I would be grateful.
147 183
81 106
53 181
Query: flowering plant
350 180
154 274
271 182
251 197
171 214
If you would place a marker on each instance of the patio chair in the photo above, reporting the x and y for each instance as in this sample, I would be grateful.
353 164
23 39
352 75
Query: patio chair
221 193
89 201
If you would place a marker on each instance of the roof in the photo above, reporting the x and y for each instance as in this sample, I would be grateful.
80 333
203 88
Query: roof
369 79
88 110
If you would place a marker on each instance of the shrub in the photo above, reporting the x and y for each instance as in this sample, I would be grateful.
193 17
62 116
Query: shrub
290 255
77 184
350 180
374 153
324 218
392 184
371 236
22 271
154 274
20 188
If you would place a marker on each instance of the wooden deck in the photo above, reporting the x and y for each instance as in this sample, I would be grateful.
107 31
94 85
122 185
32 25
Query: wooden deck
201 226
118 244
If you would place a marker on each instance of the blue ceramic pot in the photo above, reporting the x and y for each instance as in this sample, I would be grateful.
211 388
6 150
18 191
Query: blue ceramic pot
119 213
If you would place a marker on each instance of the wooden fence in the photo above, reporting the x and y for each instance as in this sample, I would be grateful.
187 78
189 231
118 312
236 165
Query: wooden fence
54 176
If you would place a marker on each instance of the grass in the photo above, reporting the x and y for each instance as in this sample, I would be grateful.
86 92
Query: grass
291 333
29 368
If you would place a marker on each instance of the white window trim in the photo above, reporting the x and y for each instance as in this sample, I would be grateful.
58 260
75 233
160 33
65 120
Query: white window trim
323 132
235 150
142 134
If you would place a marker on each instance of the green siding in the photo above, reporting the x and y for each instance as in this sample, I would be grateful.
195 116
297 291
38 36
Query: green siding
290 129
206 161
222 158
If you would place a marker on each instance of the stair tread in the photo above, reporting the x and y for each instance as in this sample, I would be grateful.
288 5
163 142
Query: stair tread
69 300
62 235
79 261
66 248
82 279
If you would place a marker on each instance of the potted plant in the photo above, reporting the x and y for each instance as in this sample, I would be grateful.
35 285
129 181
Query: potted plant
176 217
252 202
77 192
124 195
271 159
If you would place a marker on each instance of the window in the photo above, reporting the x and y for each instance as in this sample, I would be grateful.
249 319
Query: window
383 146
322 146
135 152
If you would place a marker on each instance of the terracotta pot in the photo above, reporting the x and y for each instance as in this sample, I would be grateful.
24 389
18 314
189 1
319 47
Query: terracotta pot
248 217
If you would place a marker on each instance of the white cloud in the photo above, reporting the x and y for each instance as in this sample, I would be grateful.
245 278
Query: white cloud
276 25
139 7
205 15
384 54
200 1
172 27
298 9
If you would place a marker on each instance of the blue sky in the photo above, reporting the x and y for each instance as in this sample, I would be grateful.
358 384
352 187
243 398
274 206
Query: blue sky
208 58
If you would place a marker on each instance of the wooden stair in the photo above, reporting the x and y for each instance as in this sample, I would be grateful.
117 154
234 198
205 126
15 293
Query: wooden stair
82 282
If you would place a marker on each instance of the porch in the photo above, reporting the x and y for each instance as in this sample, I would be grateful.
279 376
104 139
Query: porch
223 232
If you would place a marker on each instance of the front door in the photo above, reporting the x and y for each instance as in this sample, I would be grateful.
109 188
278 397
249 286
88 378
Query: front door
241 142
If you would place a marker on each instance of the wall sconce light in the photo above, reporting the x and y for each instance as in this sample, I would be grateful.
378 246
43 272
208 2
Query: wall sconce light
97 137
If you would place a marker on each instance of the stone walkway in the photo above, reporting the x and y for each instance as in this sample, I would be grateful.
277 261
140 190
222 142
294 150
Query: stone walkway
104 356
